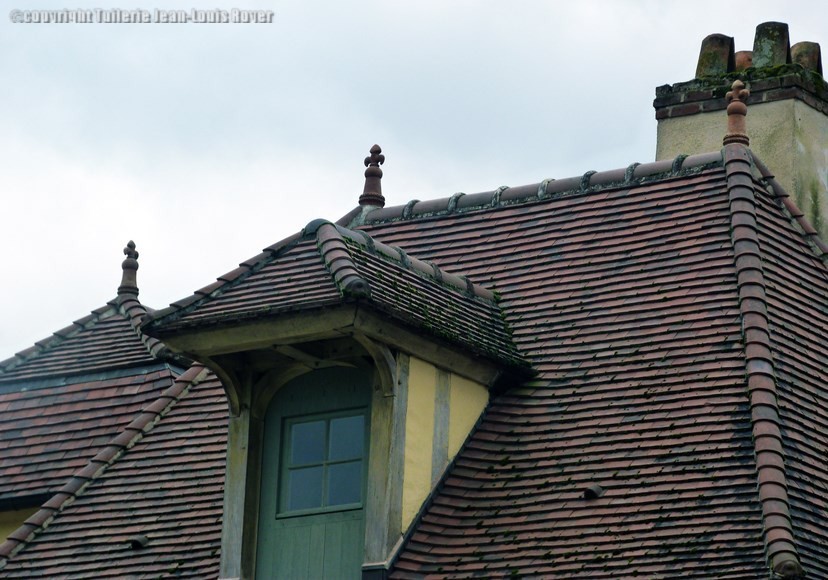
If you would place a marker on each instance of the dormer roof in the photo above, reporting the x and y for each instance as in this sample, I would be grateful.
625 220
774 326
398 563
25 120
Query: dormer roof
327 265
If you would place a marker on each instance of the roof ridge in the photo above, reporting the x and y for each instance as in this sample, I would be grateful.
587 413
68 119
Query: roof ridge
77 484
778 536
335 254
796 215
591 181
346 273
58 337
459 202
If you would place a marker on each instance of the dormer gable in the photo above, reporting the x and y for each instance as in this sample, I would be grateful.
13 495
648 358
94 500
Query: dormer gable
351 279
332 337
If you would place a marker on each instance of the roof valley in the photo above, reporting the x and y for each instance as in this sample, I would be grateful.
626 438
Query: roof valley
131 308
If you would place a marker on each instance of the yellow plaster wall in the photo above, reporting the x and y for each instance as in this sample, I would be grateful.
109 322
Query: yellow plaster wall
419 437
692 134
810 189
788 136
467 401
13 519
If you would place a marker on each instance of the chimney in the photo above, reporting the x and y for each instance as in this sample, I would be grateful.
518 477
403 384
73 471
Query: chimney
788 111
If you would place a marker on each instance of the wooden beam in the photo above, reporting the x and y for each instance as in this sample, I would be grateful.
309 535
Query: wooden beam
286 329
438 353
384 361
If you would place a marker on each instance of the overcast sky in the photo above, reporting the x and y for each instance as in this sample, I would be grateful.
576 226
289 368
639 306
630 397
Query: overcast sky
205 143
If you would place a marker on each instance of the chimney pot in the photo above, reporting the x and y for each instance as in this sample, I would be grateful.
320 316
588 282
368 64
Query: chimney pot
807 54
744 60
716 57
788 124
771 45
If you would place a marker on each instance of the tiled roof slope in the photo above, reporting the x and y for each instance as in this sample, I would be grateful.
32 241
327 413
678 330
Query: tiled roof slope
623 290
798 318
326 265
48 433
62 400
149 505
103 340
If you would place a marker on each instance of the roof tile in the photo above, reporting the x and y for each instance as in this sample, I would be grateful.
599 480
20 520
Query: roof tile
103 341
174 499
330 264
609 351
650 300
58 428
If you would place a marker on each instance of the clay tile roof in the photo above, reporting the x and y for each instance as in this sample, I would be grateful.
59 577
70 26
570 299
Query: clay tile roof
678 362
71 406
149 501
795 284
108 339
62 400
328 265
675 315
47 432
104 340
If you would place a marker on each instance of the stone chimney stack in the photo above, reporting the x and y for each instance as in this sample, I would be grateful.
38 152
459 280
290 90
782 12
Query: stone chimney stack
788 126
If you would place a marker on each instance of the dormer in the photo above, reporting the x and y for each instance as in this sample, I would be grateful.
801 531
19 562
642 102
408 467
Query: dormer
354 374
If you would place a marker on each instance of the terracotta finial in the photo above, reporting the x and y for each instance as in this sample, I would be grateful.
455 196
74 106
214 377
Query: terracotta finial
129 282
372 192
736 111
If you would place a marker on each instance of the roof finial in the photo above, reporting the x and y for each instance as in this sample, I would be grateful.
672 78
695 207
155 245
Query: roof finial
736 111
372 192
129 283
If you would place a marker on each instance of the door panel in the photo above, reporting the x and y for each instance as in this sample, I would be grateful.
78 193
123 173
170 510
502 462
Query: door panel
320 535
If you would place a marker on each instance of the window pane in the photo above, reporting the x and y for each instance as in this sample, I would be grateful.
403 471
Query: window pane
347 438
305 488
345 483
307 443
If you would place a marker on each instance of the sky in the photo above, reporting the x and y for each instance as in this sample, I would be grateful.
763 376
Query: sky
205 143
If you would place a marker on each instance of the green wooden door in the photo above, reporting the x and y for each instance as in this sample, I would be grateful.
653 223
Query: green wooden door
311 520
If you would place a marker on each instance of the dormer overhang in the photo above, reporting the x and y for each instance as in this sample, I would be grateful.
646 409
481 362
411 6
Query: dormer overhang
329 283
306 331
